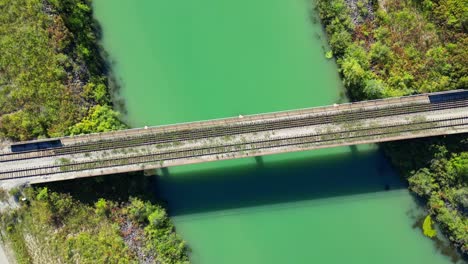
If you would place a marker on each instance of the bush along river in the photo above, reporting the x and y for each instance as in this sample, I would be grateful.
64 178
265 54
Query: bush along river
178 61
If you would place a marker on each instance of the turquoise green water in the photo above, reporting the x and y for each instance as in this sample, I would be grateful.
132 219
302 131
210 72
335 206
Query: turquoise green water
191 60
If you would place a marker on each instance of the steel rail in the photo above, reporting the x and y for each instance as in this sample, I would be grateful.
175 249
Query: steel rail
154 139
313 139
162 138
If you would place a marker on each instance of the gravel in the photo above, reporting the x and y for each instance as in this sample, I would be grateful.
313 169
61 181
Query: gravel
355 14
132 235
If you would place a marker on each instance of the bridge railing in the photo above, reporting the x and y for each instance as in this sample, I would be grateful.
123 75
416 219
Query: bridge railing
277 114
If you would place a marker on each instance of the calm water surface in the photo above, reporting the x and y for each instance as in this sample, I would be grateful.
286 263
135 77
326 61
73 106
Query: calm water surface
190 60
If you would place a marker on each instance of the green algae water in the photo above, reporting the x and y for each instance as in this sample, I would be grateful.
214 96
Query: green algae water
178 61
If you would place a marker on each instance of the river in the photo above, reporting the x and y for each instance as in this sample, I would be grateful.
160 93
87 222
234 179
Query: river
178 61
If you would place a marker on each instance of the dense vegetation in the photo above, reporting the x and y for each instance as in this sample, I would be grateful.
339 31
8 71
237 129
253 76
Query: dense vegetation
437 170
402 47
53 82
52 76
53 227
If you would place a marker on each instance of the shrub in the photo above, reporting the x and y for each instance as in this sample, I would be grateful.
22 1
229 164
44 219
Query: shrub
3 195
102 207
157 217
461 197
15 192
43 194
99 119
428 230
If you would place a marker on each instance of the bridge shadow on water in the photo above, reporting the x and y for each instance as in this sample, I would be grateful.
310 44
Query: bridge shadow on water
265 182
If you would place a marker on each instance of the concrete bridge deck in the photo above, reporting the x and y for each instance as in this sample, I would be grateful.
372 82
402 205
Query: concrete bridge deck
254 135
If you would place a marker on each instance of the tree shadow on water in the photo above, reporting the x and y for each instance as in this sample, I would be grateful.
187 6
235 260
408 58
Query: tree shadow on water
263 183
260 162
350 173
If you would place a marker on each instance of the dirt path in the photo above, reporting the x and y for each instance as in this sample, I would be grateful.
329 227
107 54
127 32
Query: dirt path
3 256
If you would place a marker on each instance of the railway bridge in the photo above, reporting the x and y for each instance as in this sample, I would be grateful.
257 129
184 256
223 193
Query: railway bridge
146 148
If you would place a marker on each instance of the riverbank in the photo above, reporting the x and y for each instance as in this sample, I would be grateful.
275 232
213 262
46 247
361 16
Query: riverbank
54 81
408 48
58 223
53 78
197 63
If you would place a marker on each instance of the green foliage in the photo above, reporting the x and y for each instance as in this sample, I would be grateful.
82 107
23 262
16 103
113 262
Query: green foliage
97 92
406 49
441 179
354 76
15 192
428 230
340 41
380 53
52 83
411 47
100 119
102 208
159 231
3 195
172 248
450 220
423 182
457 167
139 211
51 71
43 194
67 231
374 89
460 196
451 13
35 100
104 246
18 244
157 218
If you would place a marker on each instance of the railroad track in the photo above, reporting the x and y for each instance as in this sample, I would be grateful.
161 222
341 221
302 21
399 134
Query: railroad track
316 139
201 133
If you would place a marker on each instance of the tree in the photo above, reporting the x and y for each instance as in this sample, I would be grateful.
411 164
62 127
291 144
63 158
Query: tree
423 183
340 41
461 197
374 89
457 167
157 217
354 76
100 119
380 53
